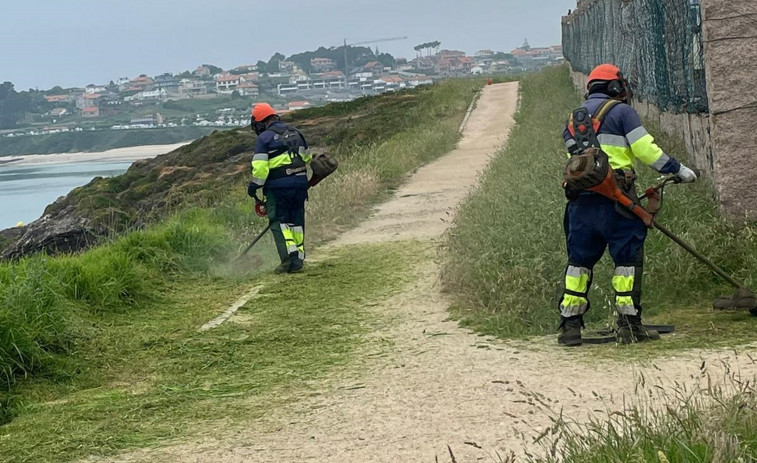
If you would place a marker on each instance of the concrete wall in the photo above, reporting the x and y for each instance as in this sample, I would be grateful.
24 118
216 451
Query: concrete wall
730 45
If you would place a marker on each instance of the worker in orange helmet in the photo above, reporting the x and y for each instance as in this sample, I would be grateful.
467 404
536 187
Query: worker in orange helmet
594 223
279 168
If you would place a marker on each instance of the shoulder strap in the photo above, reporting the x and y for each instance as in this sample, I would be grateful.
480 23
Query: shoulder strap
605 109
278 130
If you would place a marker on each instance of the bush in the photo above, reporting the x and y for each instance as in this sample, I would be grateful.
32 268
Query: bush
33 318
39 295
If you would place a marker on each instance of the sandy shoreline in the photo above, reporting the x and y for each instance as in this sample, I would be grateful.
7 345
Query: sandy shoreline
130 154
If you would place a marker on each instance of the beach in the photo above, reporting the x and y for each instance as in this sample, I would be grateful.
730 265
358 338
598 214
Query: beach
130 154
29 183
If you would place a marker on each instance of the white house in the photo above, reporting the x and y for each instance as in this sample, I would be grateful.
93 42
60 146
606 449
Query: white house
248 89
92 89
148 95
226 84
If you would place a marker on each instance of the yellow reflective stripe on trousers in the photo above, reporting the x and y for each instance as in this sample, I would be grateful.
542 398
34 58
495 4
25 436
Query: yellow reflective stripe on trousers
298 233
623 282
289 238
576 281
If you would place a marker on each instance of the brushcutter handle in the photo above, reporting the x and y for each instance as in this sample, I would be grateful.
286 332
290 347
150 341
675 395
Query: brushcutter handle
678 179
654 189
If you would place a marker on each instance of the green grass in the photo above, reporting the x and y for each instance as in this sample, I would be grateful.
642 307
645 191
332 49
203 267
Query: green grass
128 272
667 425
40 296
507 255
148 375
111 359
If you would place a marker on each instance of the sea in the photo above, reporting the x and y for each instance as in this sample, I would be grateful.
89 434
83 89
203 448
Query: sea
25 190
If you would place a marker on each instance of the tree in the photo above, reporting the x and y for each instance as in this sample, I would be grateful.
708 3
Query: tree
5 89
13 105
386 59
57 90
272 66
213 69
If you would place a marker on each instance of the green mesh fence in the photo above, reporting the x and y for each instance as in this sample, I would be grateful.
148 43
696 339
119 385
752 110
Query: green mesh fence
656 43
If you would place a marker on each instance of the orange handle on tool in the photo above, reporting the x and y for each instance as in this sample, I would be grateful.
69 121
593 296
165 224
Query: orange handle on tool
609 188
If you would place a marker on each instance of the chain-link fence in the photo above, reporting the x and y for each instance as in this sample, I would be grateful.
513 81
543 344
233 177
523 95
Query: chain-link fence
656 43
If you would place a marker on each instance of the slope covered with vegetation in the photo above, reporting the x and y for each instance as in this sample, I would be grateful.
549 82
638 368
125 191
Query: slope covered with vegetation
100 351
216 166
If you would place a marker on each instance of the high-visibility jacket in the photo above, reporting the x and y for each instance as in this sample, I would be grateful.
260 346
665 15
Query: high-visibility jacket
280 164
623 137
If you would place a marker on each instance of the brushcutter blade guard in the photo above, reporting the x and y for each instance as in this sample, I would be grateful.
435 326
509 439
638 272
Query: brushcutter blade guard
742 299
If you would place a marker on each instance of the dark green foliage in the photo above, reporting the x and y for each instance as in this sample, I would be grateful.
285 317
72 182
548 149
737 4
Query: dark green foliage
33 318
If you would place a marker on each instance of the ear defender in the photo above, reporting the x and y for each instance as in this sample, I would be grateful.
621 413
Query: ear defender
617 87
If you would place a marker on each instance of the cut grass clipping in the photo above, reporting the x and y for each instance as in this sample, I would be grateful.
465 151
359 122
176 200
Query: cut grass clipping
507 253
99 351
41 298
153 376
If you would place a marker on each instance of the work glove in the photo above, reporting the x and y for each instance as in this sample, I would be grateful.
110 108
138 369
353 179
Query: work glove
686 175
252 189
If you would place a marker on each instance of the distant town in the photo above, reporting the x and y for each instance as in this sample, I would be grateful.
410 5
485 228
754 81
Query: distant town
209 96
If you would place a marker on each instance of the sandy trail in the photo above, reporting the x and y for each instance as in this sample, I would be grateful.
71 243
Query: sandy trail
440 385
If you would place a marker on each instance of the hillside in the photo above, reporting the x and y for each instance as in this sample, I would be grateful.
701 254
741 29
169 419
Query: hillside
208 169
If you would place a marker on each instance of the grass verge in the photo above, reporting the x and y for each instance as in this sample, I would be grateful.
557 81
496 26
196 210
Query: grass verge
111 359
507 253
129 272
717 424
151 376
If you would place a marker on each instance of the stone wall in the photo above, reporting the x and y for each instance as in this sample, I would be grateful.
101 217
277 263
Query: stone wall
730 45
722 141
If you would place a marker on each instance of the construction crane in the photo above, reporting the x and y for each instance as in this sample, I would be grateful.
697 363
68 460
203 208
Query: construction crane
366 42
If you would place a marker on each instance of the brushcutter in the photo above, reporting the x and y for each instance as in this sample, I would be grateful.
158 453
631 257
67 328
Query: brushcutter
322 166
591 171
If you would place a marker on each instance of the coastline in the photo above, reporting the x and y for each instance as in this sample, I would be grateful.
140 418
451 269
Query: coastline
130 154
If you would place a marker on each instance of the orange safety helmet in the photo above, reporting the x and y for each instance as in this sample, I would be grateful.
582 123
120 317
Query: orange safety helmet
604 72
617 85
262 111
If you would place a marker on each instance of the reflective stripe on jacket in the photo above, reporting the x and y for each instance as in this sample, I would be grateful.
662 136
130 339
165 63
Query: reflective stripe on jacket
274 160
624 138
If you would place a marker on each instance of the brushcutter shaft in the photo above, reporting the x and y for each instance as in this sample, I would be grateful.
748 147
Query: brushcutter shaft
257 238
698 255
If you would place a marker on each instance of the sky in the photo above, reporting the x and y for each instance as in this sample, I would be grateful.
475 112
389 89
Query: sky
79 42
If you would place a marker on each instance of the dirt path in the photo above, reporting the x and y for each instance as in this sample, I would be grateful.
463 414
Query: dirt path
439 385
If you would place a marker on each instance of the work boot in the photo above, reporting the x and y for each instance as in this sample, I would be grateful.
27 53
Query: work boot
296 263
631 330
570 334
283 267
